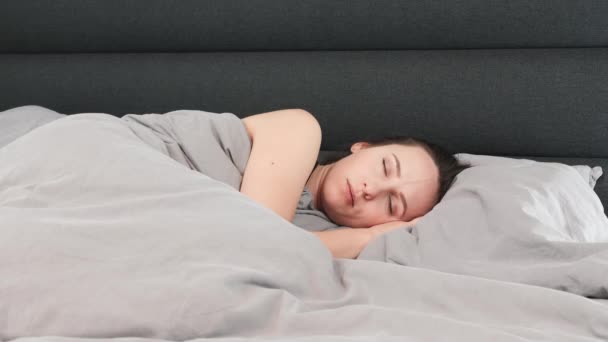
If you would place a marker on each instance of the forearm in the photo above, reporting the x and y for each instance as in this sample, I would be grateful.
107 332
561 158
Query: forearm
346 242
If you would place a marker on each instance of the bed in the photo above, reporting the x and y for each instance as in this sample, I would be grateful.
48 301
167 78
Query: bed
517 251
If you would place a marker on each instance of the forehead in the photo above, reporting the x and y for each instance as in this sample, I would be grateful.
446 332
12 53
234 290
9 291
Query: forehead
410 154
415 162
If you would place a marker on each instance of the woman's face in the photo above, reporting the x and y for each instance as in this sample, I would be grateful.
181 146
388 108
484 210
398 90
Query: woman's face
378 187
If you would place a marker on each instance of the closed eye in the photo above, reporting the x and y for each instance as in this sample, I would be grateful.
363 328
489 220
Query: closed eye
384 165
390 203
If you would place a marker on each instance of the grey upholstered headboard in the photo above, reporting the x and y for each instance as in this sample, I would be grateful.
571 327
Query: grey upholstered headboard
513 78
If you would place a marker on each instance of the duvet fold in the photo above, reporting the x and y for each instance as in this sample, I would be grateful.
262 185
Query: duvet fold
104 238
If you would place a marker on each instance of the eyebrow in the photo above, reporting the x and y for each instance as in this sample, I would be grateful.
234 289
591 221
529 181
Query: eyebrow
400 193
398 165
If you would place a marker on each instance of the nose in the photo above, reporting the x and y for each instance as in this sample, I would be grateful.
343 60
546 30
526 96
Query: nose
368 192
371 191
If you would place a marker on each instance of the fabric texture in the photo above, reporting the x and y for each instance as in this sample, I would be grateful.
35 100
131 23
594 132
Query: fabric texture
176 255
18 121
589 174
180 134
518 220
215 144
310 218
396 24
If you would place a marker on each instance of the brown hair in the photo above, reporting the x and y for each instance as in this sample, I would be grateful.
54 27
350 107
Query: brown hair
449 167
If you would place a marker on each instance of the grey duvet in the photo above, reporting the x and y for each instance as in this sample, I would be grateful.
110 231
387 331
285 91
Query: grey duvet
103 237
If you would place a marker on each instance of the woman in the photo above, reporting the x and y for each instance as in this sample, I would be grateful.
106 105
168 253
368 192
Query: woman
382 185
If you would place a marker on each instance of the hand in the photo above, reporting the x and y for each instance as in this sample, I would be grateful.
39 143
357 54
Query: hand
380 229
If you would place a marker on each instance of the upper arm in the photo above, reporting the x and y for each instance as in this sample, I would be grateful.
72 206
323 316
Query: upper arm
270 122
285 147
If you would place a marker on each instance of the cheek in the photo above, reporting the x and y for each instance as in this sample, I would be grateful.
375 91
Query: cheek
371 215
335 191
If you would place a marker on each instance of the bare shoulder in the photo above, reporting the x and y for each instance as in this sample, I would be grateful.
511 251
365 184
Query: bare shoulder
280 119
285 147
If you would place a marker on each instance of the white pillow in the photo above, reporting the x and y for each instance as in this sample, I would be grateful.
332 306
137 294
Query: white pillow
518 220
589 174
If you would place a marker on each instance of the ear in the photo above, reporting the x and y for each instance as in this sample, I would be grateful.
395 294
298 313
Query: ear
358 146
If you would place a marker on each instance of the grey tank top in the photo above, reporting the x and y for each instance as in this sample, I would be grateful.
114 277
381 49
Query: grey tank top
309 218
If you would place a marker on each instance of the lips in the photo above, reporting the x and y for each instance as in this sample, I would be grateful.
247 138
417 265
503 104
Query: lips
350 194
